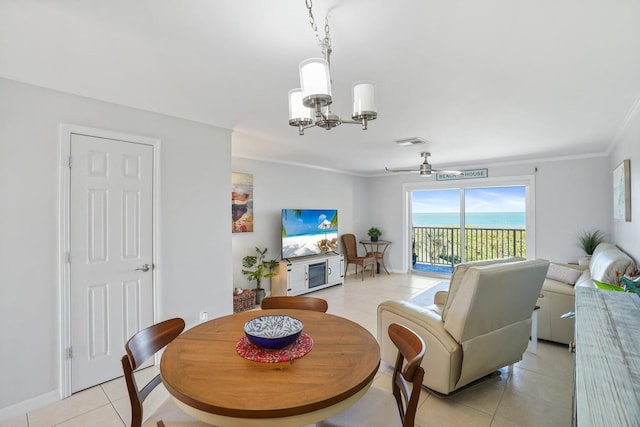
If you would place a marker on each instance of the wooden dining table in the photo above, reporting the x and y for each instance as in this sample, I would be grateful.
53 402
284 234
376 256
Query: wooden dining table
211 381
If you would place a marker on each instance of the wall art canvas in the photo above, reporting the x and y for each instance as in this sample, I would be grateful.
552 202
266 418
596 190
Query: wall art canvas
241 202
622 191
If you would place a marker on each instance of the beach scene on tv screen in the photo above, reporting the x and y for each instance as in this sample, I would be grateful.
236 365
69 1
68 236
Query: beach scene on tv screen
309 232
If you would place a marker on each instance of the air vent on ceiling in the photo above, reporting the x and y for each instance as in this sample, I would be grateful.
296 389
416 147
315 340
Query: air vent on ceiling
410 141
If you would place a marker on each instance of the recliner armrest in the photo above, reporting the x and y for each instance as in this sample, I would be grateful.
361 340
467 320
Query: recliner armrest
441 297
423 317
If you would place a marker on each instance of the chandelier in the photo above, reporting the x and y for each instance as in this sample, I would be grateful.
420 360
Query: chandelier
310 104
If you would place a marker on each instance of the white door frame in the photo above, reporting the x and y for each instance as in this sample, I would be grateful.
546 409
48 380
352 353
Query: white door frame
64 229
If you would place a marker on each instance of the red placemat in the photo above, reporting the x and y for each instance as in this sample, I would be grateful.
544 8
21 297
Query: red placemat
248 350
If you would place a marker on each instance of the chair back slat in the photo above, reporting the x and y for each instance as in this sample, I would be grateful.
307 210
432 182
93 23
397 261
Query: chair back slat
148 341
412 349
295 302
140 348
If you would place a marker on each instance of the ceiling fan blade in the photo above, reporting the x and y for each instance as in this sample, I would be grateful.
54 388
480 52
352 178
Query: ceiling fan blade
402 170
425 169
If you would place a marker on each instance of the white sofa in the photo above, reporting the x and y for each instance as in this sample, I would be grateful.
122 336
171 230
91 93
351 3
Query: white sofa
481 324
558 293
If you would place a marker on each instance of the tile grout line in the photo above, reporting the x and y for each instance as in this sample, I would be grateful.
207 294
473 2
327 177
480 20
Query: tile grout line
504 390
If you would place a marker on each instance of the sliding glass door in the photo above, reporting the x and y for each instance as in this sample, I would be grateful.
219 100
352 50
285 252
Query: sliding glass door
494 223
436 224
454 225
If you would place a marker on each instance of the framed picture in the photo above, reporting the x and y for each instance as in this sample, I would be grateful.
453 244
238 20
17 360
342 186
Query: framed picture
622 191
241 202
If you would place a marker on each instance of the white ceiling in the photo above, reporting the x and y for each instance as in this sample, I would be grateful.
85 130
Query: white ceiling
483 81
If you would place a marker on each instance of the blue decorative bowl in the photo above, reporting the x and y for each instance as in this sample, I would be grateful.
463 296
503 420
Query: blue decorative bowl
273 332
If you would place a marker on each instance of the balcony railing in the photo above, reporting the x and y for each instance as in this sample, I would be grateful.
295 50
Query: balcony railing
441 245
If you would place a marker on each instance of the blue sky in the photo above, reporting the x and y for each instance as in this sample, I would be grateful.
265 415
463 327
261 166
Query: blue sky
488 199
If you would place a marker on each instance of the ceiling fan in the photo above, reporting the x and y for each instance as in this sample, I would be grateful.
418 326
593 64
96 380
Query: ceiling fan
425 168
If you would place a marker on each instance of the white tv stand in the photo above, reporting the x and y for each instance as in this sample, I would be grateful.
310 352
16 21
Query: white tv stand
297 276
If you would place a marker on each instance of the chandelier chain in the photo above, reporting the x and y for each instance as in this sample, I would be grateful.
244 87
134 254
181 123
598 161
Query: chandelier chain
325 43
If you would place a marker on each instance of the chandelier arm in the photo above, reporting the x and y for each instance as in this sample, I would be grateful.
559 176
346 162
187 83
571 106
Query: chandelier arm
364 122
301 128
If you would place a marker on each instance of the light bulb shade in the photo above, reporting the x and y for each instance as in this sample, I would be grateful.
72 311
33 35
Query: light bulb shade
298 113
364 100
315 82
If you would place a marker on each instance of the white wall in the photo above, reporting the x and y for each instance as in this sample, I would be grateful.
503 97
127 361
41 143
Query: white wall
627 234
278 186
194 225
196 267
571 196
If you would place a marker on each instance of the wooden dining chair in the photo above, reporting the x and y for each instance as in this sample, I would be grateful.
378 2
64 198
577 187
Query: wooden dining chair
376 407
351 255
140 347
295 302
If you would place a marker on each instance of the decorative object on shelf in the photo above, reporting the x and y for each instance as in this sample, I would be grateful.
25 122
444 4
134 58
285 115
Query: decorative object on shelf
622 191
374 233
588 241
310 105
244 300
241 202
258 268
273 331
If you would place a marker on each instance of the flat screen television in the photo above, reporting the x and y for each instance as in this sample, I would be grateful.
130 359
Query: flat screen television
309 232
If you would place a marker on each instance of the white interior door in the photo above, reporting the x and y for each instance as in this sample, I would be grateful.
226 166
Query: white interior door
111 259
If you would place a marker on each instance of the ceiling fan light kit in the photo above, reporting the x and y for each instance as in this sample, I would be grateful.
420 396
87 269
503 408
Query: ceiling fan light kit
309 105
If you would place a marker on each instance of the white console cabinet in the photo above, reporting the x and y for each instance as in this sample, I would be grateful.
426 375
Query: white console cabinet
298 276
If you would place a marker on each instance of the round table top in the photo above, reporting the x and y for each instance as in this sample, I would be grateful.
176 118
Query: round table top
202 369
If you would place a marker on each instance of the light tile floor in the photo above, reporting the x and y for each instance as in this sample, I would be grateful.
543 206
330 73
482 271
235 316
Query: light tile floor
537 391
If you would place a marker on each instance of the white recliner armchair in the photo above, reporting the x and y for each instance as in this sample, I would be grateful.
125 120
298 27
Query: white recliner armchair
481 324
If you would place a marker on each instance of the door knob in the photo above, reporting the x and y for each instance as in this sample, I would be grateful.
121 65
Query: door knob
145 268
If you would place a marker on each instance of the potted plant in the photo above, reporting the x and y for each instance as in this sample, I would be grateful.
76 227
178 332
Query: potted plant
258 268
374 233
588 241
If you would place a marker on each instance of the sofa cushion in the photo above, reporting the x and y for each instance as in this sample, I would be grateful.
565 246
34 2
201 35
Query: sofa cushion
563 273
585 279
552 285
609 263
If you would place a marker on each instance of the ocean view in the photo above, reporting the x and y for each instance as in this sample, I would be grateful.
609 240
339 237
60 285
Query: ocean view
473 219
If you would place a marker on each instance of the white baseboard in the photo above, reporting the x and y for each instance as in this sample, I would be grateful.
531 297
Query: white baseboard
21 408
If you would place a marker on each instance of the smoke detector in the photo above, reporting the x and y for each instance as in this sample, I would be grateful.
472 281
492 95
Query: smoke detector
414 140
